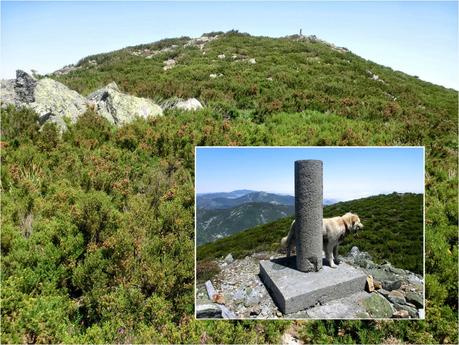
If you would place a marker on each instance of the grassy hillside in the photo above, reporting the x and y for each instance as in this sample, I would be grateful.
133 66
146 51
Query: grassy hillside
97 225
213 224
392 231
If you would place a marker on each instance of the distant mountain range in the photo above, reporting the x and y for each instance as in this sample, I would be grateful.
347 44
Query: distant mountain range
225 213
213 224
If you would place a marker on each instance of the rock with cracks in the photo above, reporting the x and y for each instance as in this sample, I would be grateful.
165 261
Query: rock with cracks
120 108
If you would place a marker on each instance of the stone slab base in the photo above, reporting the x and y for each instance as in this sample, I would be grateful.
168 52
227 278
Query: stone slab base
293 290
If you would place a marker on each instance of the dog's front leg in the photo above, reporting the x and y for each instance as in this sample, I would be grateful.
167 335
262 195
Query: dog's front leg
329 256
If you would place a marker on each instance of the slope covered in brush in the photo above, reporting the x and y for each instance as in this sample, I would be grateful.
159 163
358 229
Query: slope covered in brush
97 237
242 75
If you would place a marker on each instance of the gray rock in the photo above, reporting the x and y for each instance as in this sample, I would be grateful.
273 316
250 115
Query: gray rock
7 92
120 108
252 299
24 87
396 296
378 307
415 298
239 296
55 100
190 104
391 285
410 310
354 252
229 258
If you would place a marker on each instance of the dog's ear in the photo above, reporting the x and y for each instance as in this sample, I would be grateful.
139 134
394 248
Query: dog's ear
346 219
355 219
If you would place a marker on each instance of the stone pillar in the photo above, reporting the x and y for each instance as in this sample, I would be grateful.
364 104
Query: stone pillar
308 214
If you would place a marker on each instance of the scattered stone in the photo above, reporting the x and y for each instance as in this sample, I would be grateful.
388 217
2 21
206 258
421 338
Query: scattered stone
252 61
410 310
278 313
269 79
401 314
391 285
190 104
24 87
169 64
234 56
414 298
229 258
221 56
378 307
120 108
369 286
377 284
396 296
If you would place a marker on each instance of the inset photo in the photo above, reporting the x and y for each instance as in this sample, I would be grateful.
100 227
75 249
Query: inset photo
309 233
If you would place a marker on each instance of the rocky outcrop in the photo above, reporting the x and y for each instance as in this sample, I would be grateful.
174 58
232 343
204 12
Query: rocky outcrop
120 108
394 293
54 102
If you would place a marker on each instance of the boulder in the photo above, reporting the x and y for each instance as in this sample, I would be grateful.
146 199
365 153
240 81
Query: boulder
24 87
414 298
396 296
190 104
120 108
55 101
378 307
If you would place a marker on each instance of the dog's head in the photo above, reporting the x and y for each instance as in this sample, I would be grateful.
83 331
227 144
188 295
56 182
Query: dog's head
353 221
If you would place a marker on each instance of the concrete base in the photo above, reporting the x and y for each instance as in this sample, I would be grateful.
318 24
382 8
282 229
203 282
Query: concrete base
293 290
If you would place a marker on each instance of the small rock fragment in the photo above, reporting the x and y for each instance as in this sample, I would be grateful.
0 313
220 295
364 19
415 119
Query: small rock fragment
401 314
369 286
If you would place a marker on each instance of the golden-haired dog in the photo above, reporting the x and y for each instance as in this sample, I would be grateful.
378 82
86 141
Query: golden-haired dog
334 230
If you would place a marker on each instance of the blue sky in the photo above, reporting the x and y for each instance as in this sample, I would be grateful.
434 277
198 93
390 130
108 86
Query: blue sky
419 38
349 173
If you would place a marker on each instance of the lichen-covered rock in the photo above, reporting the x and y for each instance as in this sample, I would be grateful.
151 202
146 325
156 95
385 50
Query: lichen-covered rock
55 100
120 108
378 307
7 92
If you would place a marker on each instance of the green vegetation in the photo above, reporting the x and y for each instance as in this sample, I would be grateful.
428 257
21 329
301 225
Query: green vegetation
97 235
392 231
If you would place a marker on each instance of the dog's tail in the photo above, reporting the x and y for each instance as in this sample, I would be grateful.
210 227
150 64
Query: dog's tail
285 241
